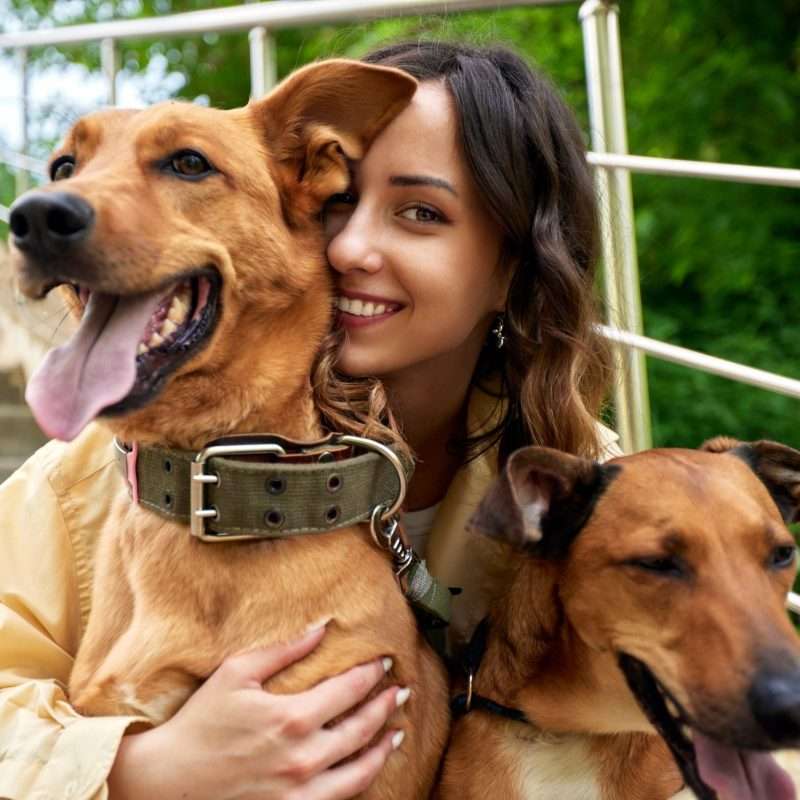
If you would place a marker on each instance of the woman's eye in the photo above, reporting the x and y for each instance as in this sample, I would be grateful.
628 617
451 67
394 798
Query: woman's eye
62 168
782 556
421 214
189 164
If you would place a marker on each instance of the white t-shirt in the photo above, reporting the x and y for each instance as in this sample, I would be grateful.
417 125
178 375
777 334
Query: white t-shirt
417 525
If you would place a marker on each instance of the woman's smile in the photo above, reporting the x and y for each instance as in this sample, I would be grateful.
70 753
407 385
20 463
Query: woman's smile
357 309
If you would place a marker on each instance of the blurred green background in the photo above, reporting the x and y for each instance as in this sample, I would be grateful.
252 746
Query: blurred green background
703 80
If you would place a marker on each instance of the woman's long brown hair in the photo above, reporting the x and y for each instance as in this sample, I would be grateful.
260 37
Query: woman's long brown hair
527 156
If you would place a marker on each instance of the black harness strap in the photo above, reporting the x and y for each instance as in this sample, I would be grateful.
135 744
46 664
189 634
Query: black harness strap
468 701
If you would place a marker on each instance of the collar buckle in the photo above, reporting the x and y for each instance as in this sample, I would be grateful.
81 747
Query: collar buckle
199 514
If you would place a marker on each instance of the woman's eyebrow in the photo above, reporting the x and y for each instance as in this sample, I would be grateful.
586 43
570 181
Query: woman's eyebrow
422 180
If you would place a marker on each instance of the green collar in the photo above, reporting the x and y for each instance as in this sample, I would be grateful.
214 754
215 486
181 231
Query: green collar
263 486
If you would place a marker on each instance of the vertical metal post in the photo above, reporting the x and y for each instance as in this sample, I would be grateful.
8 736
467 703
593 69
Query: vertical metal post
108 62
263 62
599 21
22 178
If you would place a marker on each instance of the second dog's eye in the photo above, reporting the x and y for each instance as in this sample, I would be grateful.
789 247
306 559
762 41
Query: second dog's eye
668 566
62 168
189 164
782 556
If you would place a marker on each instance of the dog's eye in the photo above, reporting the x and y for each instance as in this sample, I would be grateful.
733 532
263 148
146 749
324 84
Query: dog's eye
782 556
189 164
62 168
668 566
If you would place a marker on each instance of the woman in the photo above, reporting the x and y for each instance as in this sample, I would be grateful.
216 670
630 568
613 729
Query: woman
465 252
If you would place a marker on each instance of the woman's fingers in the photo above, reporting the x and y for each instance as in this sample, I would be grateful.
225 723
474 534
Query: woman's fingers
253 667
334 696
355 776
359 729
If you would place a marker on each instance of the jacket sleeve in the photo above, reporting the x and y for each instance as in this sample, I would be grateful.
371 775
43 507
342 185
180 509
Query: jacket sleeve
47 750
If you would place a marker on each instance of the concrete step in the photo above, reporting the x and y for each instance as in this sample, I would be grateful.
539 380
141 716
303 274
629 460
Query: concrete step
19 433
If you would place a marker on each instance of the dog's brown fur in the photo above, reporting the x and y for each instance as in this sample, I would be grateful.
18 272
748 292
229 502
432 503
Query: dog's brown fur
577 601
167 609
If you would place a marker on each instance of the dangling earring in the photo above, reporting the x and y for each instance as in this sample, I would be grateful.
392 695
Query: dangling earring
499 338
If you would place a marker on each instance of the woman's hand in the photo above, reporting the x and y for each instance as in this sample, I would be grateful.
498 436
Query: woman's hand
234 741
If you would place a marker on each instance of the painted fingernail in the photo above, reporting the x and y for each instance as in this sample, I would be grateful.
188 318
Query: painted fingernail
397 739
387 663
402 696
317 626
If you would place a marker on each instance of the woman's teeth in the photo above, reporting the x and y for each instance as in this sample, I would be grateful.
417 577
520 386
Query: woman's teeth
363 309
175 317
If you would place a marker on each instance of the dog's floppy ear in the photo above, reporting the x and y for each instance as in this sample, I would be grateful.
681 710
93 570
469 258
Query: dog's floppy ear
323 116
777 465
542 499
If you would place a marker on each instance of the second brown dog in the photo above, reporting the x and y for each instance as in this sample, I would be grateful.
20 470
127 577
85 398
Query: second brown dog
648 598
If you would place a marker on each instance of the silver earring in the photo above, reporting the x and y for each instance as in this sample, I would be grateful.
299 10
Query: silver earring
497 331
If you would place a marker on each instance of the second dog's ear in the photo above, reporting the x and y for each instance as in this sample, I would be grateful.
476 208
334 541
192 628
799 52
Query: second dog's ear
777 465
542 499
322 117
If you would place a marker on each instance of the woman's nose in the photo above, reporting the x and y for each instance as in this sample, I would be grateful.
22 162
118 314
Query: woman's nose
355 247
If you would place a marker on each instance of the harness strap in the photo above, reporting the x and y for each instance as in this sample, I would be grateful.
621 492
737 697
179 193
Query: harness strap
469 701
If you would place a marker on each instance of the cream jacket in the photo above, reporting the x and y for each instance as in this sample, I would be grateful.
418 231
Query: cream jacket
52 510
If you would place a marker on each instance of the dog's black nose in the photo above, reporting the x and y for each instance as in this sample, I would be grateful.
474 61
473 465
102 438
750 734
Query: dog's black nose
44 223
774 699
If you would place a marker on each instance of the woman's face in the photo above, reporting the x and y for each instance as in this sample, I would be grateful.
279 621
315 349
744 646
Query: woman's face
417 256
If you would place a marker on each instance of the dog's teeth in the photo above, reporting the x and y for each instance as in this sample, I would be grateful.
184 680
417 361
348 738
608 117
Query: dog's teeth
142 349
178 310
168 328
155 340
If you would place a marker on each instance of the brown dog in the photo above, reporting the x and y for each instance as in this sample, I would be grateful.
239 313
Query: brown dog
649 594
191 240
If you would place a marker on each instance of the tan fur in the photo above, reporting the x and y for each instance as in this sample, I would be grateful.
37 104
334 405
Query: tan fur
555 635
166 608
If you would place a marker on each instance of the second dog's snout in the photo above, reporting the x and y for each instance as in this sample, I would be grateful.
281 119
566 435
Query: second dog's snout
46 222
774 699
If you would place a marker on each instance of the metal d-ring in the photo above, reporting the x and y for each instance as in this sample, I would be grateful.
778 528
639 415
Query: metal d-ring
392 458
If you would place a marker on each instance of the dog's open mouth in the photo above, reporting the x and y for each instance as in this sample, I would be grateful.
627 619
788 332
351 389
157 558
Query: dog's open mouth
123 351
704 762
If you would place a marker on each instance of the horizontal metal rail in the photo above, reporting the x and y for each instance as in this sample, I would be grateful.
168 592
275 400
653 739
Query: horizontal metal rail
20 161
739 173
692 358
277 14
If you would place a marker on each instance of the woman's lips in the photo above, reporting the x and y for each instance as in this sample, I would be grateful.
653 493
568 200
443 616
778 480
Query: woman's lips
354 321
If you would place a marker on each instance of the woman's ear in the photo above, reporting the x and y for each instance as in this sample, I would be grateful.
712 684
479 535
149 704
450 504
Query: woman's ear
322 117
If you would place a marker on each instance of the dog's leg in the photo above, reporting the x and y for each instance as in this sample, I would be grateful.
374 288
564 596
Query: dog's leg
112 608
135 680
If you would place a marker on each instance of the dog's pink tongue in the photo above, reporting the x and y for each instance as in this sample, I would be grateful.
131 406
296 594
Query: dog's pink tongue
94 369
741 774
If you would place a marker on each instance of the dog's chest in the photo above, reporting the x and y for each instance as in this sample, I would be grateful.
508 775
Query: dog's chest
553 770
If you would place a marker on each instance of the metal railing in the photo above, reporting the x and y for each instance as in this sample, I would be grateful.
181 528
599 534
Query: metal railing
600 27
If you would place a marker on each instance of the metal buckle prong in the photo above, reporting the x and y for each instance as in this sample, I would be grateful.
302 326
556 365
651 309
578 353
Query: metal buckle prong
200 478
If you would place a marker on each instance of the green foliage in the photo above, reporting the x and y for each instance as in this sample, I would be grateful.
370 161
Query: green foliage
703 81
